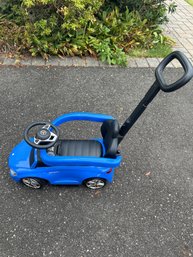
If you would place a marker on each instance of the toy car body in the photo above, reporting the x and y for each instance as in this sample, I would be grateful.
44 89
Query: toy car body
58 169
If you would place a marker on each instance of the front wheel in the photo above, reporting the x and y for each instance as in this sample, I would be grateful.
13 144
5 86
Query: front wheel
95 183
35 183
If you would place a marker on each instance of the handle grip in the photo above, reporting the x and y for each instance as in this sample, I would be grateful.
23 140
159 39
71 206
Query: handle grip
188 72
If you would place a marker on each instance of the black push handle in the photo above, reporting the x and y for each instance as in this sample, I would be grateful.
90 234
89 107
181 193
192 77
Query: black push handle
188 72
155 88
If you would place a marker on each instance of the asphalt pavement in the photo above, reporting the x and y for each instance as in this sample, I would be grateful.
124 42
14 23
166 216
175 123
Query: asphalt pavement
146 212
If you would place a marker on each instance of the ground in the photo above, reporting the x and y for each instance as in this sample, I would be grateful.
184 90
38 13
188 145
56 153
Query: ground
146 212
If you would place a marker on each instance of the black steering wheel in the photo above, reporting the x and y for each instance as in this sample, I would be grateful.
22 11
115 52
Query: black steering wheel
44 137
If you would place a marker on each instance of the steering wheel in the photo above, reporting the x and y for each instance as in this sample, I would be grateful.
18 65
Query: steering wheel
44 137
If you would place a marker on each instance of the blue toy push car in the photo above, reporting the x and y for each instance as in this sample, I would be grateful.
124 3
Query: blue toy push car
48 159
45 158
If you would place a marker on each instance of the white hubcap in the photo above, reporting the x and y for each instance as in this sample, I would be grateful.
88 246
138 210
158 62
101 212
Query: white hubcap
30 182
95 183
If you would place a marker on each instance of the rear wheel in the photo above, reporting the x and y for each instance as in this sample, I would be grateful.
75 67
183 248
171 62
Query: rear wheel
95 183
35 183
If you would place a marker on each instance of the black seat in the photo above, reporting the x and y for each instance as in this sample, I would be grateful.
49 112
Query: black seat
110 132
92 148
79 148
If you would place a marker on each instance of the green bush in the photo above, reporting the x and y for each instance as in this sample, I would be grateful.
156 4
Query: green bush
155 11
78 27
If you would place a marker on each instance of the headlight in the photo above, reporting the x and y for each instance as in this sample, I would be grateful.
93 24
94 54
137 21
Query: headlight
13 173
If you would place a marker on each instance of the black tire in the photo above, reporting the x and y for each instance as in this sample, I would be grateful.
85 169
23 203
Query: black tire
35 183
95 183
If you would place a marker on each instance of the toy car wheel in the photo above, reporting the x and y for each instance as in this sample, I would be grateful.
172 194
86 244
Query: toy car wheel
95 183
34 183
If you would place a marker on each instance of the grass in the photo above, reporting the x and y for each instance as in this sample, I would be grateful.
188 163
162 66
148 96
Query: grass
190 2
159 51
